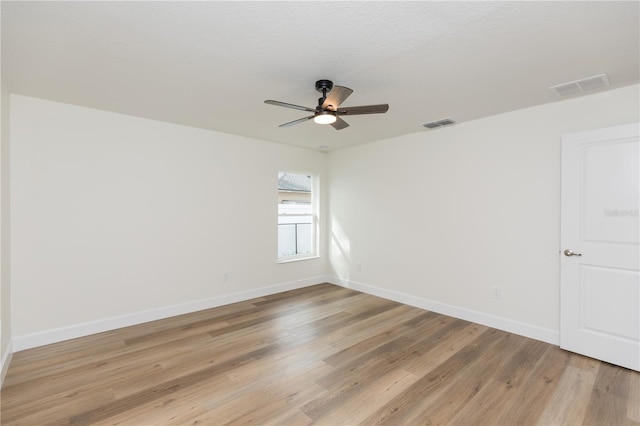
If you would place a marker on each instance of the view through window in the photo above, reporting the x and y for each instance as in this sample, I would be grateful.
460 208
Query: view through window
296 219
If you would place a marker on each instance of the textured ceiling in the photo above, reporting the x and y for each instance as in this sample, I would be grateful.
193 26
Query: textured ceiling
212 64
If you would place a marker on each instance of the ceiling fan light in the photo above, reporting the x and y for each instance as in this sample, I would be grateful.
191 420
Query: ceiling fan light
325 117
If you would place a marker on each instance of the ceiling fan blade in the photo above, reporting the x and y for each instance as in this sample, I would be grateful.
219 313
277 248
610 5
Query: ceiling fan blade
364 109
339 124
298 121
286 105
336 96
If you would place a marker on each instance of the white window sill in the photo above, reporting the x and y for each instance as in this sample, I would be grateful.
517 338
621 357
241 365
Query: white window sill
297 259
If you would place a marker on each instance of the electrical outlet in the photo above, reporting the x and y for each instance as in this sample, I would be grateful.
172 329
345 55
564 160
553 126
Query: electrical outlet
225 276
358 267
496 293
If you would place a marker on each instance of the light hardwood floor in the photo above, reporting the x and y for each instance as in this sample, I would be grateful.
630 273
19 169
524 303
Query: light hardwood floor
319 355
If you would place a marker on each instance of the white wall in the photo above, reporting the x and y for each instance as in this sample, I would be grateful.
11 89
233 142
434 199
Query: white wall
117 219
439 217
6 346
5 253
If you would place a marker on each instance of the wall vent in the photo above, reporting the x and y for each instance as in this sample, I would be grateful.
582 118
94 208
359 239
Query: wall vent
439 123
579 87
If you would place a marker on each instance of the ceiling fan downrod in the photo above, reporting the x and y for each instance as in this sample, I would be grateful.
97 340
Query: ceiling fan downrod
323 86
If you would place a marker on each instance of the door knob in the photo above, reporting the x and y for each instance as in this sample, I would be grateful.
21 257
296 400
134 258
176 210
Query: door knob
570 253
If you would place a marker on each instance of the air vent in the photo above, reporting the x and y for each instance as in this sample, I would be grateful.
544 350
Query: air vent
439 123
579 87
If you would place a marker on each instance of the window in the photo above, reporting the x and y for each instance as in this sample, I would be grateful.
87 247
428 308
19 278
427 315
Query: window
297 219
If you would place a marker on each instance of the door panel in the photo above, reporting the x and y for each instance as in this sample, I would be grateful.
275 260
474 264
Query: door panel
611 192
609 300
600 286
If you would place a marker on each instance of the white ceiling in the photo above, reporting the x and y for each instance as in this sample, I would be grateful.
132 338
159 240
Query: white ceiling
212 64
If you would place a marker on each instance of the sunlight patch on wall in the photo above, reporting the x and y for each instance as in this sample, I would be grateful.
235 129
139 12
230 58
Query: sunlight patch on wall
339 251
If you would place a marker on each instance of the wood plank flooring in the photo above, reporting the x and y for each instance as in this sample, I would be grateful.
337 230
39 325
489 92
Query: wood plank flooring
319 355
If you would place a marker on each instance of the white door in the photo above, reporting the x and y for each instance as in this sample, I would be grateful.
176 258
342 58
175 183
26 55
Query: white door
600 266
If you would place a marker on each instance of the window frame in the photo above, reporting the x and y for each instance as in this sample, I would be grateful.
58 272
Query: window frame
315 222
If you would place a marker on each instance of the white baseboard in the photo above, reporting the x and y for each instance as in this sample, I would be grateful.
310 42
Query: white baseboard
79 330
511 326
4 362
33 340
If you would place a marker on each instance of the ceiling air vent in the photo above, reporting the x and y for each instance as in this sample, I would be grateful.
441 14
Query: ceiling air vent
579 87
439 123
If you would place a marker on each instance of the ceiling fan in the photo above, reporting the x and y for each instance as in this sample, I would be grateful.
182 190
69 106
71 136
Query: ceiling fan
328 110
